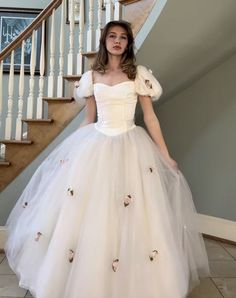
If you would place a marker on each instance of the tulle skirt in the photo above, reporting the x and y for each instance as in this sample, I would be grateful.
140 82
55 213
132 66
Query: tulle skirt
106 217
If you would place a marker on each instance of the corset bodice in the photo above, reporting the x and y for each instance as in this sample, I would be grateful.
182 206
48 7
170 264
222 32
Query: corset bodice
115 107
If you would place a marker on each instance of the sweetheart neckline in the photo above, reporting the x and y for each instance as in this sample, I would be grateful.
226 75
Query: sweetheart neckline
114 84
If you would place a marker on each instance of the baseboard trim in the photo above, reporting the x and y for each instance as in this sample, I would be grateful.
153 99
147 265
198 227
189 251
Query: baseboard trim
215 227
2 237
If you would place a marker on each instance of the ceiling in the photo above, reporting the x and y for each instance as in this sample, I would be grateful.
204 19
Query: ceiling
190 38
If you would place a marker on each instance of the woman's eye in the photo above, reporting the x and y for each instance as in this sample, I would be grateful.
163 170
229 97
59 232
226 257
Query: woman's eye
114 36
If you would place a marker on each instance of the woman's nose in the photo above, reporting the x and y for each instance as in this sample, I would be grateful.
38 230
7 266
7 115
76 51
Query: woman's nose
117 40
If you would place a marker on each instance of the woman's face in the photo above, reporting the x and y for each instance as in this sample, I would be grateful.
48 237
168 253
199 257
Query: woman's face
116 40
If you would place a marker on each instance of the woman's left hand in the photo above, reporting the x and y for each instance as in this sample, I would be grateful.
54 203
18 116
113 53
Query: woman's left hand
76 84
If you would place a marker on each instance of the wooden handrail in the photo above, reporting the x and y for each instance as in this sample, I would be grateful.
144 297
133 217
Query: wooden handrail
127 2
28 30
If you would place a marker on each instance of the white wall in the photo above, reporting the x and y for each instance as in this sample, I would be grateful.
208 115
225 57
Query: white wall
24 3
199 126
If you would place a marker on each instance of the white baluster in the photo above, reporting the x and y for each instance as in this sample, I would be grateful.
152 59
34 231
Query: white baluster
39 112
2 147
62 51
99 26
52 57
71 37
8 128
21 94
90 27
109 10
81 40
1 96
117 10
30 100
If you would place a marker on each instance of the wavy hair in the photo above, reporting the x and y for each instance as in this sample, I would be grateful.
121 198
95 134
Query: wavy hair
128 58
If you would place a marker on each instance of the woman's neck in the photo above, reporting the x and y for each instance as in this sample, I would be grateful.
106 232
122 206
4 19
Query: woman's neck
113 63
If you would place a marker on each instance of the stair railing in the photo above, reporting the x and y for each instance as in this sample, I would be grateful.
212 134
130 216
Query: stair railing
21 95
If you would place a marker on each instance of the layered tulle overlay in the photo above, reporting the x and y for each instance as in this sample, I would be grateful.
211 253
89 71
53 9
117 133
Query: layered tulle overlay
106 217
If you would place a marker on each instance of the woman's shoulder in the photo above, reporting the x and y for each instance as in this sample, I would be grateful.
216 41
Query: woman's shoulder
87 74
146 83
87 78
143 69
85 86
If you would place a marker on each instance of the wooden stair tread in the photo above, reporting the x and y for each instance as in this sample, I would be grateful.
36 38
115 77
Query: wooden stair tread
58 99
72 77
41 134
18 142
37 120
4 163
90 54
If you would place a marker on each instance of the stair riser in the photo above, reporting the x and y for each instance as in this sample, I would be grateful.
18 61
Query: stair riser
62 116
20 156
70 88
41 134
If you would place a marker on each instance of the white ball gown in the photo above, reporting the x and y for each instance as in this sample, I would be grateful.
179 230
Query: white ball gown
105 216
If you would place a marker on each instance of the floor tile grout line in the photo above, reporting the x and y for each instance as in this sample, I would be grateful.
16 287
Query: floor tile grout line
227 251
217 287
2 260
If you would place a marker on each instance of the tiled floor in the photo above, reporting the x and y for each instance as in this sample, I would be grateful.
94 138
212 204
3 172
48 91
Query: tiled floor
222 259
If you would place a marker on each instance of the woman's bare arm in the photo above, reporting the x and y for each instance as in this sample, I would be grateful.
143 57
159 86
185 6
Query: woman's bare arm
90 108
153 126
90 111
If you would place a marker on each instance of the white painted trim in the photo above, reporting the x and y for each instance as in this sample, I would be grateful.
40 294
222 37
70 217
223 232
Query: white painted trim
149 23
210 225
218 227
2 237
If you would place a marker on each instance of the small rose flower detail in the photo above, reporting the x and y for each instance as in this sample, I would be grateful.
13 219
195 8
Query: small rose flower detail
148 84
153 255
39 234
70 191
127 200
25 204
71 255
151 169
62 161
115 264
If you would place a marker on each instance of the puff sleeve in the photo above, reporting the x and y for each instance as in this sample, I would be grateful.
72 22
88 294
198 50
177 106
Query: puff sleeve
147 84
85 87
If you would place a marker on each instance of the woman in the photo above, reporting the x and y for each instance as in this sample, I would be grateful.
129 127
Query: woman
108 214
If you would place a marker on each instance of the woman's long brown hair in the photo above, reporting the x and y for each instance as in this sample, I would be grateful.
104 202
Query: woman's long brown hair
128 58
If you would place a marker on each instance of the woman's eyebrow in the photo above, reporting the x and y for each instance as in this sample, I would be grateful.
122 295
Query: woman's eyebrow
123 33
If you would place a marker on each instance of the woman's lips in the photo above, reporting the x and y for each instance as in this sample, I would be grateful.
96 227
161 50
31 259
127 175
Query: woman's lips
117 47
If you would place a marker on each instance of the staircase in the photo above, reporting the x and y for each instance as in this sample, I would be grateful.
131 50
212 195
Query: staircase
38 120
